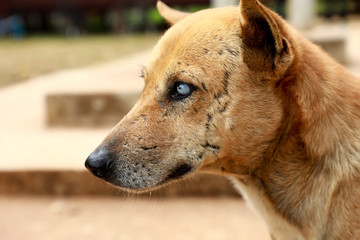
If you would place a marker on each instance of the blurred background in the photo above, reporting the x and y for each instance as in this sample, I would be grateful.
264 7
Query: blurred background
69 71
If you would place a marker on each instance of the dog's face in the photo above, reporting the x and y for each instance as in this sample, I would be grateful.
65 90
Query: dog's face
206 105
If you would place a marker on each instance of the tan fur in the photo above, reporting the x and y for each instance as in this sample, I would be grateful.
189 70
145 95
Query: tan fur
270 110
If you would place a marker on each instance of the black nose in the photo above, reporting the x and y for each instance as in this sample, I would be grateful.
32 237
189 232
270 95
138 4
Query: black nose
99 163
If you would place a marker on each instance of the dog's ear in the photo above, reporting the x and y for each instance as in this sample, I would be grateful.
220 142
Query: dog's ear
266 47
172 16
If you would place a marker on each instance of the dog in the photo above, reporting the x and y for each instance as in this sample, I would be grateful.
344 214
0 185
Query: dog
236 91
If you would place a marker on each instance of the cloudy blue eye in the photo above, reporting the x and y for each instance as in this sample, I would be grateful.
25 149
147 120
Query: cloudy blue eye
181 91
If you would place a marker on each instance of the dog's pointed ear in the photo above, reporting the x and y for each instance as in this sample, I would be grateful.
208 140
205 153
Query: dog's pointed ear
172 16
266 46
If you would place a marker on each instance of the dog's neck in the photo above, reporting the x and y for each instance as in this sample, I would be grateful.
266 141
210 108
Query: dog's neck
318 144
322 108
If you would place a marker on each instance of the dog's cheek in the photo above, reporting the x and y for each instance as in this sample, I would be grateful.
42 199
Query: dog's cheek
199 141
151 144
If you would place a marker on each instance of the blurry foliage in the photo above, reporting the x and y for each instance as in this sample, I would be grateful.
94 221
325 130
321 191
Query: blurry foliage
76 22
141 19
155 17
327 8
94 23
134 17
335 7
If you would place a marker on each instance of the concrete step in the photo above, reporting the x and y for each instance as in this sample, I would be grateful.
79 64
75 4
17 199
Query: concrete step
331 38
88 110
27 143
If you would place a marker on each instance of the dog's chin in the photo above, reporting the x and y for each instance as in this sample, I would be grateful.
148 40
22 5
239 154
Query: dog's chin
178 173
140 190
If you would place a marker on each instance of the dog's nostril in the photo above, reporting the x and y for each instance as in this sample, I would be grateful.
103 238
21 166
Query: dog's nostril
97 173
99 164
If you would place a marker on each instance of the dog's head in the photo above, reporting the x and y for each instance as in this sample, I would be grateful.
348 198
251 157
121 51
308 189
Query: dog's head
208 102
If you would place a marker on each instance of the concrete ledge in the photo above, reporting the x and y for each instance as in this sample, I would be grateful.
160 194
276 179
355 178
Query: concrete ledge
82 183
87 110
331 38
335 47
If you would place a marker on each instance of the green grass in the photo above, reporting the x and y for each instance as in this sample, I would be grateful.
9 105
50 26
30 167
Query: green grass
30 57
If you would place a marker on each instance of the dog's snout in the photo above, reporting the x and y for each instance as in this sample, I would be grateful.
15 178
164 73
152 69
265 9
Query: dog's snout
99 163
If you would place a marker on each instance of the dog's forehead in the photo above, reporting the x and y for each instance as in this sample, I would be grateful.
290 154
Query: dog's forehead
188 39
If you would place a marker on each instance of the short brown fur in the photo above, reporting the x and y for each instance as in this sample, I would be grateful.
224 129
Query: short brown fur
268 108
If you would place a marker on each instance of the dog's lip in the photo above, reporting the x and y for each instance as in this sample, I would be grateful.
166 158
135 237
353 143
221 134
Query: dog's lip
179 171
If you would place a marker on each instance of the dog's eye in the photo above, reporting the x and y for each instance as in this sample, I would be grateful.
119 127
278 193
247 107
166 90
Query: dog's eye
181 90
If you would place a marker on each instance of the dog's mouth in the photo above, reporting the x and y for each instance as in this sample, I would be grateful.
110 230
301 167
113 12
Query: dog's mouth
138 179
137 176
179 171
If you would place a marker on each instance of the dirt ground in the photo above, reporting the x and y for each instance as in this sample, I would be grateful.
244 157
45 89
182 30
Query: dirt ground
132 219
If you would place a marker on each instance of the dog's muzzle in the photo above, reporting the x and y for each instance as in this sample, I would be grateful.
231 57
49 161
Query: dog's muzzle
133 175
100 163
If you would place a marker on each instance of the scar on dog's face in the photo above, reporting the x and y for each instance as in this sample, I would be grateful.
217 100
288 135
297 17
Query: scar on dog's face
187 118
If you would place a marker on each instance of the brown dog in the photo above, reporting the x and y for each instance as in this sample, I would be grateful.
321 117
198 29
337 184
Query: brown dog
241 93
